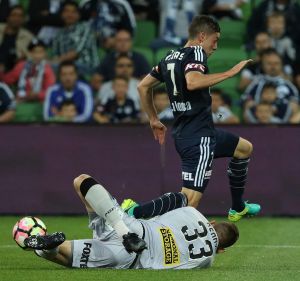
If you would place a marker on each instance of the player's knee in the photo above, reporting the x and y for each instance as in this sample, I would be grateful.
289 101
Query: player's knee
193 197
244 149
193 202
78 180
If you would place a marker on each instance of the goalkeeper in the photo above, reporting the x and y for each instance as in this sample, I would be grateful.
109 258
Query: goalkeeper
180 239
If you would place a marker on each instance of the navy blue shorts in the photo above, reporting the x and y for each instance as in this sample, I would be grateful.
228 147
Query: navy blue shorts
197 155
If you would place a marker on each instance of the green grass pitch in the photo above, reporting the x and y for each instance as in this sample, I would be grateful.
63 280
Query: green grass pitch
268 249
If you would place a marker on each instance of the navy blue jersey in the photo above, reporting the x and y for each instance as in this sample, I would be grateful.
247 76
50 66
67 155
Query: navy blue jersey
192 109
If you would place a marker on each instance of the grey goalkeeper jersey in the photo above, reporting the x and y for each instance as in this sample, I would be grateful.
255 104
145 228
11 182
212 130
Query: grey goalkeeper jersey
180 239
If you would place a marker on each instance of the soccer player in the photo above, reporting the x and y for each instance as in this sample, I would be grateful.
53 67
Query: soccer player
185 73
180 239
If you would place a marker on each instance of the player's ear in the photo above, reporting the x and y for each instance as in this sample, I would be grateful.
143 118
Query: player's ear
220 251
201 36
213 223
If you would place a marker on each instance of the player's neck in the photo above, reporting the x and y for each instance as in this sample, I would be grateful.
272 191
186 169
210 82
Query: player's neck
191 43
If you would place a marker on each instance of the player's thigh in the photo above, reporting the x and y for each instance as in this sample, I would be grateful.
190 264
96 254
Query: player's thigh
226 144
196 159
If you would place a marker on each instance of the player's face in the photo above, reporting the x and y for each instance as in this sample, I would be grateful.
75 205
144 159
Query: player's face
210 42
272 65
262 42
216 102
68 112
16 18
263 113
276 26
161 101
38 54
269 95
68 77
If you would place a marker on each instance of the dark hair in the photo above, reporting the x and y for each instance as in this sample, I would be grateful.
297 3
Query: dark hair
70 3
225 97
228 234
203 24
269 85
66 102
276 14
36 43
120 77
15 7
268 52
65 64
121 56
160 90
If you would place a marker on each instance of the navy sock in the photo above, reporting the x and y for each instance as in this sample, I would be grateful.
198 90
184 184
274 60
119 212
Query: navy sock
237 173
161 205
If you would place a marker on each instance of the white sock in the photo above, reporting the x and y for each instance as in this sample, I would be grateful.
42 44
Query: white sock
102 203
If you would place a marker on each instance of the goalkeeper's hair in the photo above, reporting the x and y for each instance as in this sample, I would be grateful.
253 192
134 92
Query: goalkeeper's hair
204 24
227 233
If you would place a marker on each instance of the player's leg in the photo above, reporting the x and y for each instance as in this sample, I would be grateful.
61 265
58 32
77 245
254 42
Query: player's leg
196 156
230 145
101 202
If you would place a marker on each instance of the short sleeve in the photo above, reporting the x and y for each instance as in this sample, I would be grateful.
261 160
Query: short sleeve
156 73
196 61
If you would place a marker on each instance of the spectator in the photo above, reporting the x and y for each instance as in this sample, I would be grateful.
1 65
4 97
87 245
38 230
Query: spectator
280 108
175 17
123 46
289 8
5 6
107 17
162 104
224 8
7 104
280 41
145 9
263 42
33 76
124 67
66 112
221 113
44 18
69 88
263 114
14 39
272 67
119 109
75 41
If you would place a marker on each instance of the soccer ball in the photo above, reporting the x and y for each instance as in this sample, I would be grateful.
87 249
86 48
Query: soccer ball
25 227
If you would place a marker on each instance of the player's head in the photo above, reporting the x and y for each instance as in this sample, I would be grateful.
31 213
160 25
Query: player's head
37 50
160 99
269 93
68 75
263 112
271 62
68 110
228 234
16 17
216 99
205 31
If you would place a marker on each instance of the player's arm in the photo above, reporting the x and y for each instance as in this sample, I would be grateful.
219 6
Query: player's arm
145 92
196 80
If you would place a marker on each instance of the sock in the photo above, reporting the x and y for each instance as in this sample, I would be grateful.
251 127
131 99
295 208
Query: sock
101 201
47 253
161 205
237 173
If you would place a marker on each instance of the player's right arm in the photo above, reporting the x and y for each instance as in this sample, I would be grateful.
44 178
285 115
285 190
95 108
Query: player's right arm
196 80
145 92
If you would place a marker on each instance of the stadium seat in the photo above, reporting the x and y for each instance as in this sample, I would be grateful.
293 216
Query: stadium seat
225 58
144 34
29 112
147 52
232 33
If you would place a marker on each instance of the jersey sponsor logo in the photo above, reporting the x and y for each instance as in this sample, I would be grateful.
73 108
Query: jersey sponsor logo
171 252
187 176
85 255
195 66
181 106
208 174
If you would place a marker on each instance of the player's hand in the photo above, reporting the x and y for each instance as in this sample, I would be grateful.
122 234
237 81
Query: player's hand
238 67
159 131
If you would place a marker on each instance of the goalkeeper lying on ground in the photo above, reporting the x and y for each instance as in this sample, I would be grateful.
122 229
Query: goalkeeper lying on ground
180 239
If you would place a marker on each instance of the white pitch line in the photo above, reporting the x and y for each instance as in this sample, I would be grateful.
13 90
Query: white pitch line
270 246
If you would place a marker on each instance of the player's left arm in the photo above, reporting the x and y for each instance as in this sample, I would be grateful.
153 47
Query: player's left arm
145 92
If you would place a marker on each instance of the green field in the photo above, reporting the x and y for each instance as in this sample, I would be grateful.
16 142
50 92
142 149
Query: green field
268 249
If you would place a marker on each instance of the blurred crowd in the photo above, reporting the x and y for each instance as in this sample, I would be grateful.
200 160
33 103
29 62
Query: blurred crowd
78 60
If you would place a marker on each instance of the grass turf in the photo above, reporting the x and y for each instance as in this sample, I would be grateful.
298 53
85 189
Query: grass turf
268 249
